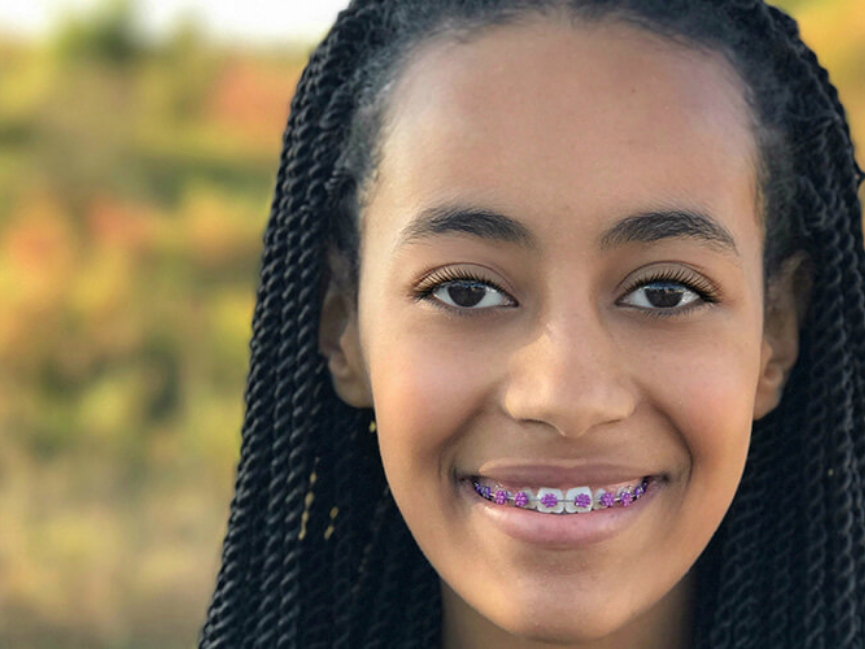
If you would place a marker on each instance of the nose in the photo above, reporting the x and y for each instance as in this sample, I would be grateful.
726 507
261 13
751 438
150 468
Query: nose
570 375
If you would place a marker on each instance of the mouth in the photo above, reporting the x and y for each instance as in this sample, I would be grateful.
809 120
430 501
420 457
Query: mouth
561 506
571 501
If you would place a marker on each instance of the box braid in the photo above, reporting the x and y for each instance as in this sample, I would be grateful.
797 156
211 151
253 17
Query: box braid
316 554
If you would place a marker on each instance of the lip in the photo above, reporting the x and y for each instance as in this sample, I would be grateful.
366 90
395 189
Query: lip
551 531
559 532
560 475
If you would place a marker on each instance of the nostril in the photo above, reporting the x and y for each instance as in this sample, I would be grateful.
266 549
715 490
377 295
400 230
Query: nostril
568 391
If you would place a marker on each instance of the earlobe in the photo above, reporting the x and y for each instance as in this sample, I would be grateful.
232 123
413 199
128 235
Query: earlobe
773 378
339 343
786 306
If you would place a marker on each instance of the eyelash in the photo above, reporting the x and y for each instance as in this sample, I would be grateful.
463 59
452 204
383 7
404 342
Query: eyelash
435 280
704 289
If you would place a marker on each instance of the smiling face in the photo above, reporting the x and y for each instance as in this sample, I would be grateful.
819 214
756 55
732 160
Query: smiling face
561 287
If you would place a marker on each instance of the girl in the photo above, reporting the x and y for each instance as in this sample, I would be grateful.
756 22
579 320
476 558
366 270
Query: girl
533 271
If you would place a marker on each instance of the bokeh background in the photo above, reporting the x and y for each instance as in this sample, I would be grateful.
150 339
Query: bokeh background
136 167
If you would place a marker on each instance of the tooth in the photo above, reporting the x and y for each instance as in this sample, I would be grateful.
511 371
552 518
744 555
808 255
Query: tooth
608 499
558 501
581 493
551 501
525 499
626 497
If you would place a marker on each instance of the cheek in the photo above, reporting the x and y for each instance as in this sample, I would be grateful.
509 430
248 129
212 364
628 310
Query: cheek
427 394
426 390
723 385
710 391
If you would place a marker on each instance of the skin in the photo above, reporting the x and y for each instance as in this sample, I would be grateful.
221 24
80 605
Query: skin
569 131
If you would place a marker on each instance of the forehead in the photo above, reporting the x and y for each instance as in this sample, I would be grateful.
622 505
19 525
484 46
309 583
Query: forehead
601 118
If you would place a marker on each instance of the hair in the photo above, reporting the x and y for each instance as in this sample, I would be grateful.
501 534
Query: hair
317 555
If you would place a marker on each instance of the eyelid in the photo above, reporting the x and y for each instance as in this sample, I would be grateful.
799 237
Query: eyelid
688 277
434 279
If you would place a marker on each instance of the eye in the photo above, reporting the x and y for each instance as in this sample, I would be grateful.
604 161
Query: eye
469 294
669 293
462 290
661 295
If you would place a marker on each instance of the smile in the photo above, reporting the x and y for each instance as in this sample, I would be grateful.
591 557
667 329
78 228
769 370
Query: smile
578 500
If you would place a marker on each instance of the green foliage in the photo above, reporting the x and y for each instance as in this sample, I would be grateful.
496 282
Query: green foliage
134 186
108 36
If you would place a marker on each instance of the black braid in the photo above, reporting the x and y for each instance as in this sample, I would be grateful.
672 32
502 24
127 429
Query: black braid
316 554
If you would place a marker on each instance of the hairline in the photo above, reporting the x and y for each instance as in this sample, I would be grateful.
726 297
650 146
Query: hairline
407 51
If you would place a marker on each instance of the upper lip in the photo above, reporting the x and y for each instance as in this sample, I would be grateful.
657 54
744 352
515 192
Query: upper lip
560 474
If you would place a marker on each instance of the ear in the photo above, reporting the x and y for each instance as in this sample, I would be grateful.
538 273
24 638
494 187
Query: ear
786 305
339 338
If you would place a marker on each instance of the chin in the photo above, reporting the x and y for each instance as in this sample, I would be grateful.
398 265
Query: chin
563 633
565 629
562 623
560 616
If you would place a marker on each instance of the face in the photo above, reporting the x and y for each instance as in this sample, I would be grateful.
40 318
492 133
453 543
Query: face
561 287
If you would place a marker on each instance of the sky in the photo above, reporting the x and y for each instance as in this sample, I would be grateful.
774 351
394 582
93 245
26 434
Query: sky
269 21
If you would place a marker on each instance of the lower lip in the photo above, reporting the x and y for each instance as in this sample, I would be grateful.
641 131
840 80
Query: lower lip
559 530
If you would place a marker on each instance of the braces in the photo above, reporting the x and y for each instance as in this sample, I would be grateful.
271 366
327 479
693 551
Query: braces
601 500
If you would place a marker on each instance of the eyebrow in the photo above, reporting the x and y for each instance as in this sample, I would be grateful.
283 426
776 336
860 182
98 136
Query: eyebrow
646 227
478 222
655 226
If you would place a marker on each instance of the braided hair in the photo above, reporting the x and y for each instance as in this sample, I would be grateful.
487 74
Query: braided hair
317 555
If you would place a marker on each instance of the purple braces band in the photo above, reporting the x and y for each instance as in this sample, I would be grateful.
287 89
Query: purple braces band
583 501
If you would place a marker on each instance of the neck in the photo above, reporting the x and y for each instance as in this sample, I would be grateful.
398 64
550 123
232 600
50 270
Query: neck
667 625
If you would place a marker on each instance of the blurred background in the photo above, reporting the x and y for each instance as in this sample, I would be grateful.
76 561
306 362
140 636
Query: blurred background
139 142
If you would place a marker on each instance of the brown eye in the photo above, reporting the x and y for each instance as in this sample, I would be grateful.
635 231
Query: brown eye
661 295
463 294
